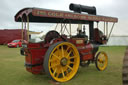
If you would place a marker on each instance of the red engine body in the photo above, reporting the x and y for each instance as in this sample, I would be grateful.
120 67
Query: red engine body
34 56
35 53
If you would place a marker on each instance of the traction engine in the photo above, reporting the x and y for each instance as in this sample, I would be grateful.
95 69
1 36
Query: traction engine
60 55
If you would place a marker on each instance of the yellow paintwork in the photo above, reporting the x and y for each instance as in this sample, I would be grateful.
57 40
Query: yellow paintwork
59 72
102 61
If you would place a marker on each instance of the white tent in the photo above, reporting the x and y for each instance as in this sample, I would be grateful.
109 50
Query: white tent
118 40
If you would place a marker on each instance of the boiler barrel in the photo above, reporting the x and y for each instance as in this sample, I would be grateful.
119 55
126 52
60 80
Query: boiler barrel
81 8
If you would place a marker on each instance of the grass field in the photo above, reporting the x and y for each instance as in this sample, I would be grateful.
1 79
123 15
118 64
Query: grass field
12 70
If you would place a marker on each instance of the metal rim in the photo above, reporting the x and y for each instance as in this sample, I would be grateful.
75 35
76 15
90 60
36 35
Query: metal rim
62 61
101 61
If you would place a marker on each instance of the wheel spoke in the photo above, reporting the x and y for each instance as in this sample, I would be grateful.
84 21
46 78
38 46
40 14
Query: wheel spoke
67 48
57 74
68 54
72 57
54 65
58 53
100 64
54 71
99 60
56 56
62 49
62 72
69 67
104 59
52 60
101 55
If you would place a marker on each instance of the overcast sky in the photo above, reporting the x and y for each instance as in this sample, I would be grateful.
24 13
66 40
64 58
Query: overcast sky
114 8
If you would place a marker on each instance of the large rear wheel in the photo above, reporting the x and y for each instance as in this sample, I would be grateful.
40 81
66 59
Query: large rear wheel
62 61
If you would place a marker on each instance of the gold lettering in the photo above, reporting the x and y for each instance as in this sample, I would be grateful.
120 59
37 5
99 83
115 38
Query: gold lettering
82 17
55 14
79 41
41 12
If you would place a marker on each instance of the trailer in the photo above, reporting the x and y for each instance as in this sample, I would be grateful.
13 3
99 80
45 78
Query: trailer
60 55
8 35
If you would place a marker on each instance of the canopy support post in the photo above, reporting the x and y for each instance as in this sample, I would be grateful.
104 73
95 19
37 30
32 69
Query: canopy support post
61 29
56 26
22 31
107 29
66 29
104 28
70 29
25 31
28 28
111 30
98 25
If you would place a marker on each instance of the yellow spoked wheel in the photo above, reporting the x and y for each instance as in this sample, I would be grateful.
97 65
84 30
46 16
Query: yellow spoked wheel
101 61
62 61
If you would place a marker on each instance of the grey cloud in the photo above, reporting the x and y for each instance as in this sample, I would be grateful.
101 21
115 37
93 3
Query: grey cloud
8 9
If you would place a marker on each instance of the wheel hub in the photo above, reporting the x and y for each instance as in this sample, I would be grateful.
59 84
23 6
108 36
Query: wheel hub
63 61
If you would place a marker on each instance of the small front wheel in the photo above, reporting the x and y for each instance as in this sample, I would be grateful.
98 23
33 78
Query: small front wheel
101 61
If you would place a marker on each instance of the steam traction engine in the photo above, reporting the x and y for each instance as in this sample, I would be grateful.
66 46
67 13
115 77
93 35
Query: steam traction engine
60 55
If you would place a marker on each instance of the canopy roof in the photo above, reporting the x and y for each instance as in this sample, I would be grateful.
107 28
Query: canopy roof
56 16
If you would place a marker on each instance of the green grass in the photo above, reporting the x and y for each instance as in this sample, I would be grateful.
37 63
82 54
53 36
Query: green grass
12 70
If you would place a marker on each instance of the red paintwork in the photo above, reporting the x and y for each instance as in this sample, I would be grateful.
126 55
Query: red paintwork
35 53
85 50
15 43
56 14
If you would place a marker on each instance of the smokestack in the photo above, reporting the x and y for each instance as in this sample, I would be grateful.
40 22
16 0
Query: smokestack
81 8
